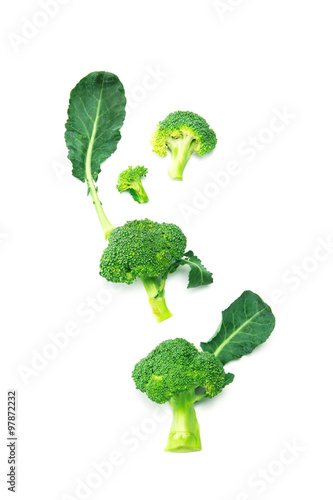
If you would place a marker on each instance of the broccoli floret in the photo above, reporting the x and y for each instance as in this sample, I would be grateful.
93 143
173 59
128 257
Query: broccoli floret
182 132
144 249
178 373
150 251
173 372
130 180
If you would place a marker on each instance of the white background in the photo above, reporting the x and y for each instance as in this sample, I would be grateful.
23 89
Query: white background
236 68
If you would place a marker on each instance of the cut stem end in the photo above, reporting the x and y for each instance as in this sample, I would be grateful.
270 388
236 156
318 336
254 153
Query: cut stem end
183 442
184 434
160 309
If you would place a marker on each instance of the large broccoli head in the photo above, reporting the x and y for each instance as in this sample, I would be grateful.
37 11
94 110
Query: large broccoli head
175 366
141 249
182 132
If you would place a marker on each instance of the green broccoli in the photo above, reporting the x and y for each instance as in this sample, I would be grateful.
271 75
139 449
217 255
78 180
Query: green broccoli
130 180
146 250
139 249
171 373
150 251
178 373
182 132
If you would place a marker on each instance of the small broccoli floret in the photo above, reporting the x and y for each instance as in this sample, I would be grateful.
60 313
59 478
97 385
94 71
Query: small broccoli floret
173 372
144 249
182 132
130 180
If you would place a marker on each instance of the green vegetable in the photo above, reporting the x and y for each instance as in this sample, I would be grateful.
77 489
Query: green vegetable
96 113
182 132
140 248
198 274
130 180
247 323
150 251
171 373
178 373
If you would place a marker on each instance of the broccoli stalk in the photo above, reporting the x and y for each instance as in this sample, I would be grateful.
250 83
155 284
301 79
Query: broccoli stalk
156 298
184 434
181 151
107 227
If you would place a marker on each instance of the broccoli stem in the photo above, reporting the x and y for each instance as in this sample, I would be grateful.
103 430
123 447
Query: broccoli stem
184 433
141 193
156 299
105 223
181 150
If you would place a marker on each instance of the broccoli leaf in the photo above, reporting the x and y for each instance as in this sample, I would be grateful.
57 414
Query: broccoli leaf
246 323
96 113
228 379
198 274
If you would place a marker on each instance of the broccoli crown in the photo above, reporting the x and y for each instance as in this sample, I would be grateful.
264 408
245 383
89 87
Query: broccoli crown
175 366
181 124
141 248
129 177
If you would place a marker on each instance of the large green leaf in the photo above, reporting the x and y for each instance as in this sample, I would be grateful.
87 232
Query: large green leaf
246 323
96 113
